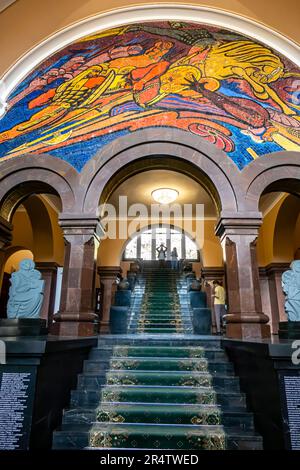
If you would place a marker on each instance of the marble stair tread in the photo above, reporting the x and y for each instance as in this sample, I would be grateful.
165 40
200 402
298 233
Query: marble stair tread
166 339
157 330
160 364
173 413
157 436
94 381
166 360
211 354
160 394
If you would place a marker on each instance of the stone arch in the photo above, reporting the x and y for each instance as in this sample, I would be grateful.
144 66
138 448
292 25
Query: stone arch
279 171
34 175
208 164
152 226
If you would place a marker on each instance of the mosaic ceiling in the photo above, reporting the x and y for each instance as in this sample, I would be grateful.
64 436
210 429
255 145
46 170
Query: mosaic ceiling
236 93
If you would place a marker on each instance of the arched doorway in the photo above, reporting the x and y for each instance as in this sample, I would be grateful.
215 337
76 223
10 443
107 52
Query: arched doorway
134 184
143 245
30 211
278 245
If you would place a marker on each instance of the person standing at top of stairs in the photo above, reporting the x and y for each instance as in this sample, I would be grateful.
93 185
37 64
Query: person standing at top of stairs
174 259
162 249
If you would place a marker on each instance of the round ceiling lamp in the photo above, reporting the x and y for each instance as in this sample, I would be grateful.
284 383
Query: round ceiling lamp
164 195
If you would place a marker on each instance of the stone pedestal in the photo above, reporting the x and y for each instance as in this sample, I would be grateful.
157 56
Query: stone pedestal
289 330
118 322
76 316
271 276
245 318
22 327
202 321
108 275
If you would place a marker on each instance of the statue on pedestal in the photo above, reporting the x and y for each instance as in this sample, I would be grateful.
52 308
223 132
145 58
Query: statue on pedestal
26 293
291 287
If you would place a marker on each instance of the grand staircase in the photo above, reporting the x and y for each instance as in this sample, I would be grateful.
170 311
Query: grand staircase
164 307
159 388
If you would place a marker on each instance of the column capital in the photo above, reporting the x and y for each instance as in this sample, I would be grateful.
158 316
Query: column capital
84 225
212 272
238 225
276 268
109 272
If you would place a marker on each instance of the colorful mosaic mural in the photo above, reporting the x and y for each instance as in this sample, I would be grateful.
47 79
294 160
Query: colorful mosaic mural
236 93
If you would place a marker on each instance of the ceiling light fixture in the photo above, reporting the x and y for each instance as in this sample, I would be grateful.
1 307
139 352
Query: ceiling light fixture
165 195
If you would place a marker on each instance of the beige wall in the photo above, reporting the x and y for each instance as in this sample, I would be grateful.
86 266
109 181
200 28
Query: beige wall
12 263
279 235
27 22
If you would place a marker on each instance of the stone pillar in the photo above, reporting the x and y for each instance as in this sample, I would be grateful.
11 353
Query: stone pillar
245 318
5 241
48 270
76 316
210 274
274 273
108 276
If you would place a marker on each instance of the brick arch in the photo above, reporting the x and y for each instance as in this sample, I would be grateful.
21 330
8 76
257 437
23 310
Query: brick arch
210 165
279 171
35 174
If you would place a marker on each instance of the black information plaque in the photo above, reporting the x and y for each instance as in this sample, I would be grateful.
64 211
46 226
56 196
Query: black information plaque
17 388
290 400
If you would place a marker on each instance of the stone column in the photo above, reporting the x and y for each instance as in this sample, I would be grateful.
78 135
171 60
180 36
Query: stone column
48 270
245 318
76 316
274 273
108 276
5 241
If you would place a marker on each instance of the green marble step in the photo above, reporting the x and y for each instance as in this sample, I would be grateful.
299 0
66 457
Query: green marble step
159 414
167 378
160 306
158 394
158 364
152 351
203 439
164 413
168 364
157 312
156 296
108 352
98 379
153 330
160 330
157 436
153 324
145 317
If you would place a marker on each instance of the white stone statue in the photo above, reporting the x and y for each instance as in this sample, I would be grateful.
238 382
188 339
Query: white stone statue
26 292
290 282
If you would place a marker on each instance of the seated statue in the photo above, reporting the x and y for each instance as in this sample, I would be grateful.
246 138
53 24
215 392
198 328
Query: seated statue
290 282
26 293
